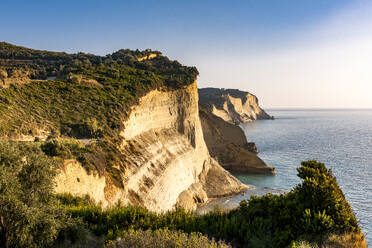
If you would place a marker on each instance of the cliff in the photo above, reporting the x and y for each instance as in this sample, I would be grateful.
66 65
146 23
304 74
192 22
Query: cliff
220 111
227 143
232 105
167 161
124 128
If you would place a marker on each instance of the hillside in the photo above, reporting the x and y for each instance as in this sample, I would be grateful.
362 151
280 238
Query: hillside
123 127
86 87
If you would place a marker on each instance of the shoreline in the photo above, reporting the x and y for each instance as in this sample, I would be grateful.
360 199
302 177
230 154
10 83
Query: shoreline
228 203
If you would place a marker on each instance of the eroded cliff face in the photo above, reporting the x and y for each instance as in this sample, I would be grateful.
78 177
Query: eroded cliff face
227 143
167 163
221 110
232 105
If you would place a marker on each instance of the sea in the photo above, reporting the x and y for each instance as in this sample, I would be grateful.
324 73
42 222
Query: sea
341 138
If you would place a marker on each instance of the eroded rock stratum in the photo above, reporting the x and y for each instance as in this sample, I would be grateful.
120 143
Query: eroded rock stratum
167 161
221 110
232 105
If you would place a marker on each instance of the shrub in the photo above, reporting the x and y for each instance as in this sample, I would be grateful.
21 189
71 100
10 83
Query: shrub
164 238
65 148
344 240
28 214
321 194
56 147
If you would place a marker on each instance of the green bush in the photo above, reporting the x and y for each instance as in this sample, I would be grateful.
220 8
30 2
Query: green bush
64 148
164 238
314 208
28 213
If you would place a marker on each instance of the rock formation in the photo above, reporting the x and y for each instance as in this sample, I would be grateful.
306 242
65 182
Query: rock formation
168 163
226 142
228 145
232 105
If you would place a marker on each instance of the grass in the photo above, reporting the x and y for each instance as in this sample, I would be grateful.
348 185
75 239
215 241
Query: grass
336 240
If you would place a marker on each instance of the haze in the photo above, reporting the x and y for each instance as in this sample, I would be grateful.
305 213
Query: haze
297 54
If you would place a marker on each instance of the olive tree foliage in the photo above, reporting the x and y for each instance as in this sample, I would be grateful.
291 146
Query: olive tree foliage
28 216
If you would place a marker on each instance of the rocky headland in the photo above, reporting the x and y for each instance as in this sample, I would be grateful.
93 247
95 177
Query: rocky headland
232 105
220 111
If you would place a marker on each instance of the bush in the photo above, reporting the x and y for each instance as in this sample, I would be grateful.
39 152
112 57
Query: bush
344 240
56 147
164 238
28 214
314 208
68 148
320 196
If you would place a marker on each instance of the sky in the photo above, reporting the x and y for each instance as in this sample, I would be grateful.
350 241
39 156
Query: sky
289 53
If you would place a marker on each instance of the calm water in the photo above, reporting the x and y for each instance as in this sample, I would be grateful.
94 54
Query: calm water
342 139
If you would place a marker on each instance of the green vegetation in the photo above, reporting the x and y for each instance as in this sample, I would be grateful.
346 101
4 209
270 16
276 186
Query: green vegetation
164 238
17 62
32 216
64 148
29 216
343 240
91 94
312 211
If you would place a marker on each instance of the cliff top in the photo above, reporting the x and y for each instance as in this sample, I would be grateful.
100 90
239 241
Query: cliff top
216 95
232 105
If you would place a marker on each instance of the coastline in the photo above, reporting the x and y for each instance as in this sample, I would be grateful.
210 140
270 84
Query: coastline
230 202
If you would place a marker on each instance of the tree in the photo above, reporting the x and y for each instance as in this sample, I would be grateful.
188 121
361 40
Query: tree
28 216
320 195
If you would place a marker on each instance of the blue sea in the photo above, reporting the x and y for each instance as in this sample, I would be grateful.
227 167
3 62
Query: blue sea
342 139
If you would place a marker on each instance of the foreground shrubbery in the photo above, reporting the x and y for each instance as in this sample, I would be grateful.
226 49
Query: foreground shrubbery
345 240
28 209
311 211
31 216
164 238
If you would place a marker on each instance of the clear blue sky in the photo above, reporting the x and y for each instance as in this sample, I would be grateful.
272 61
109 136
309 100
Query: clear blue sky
263 46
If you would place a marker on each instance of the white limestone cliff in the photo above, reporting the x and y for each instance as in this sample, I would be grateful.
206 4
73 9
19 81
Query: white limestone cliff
167 161
232 105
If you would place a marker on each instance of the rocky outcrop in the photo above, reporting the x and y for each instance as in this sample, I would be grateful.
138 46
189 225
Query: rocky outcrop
232 105
227 143
167 162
